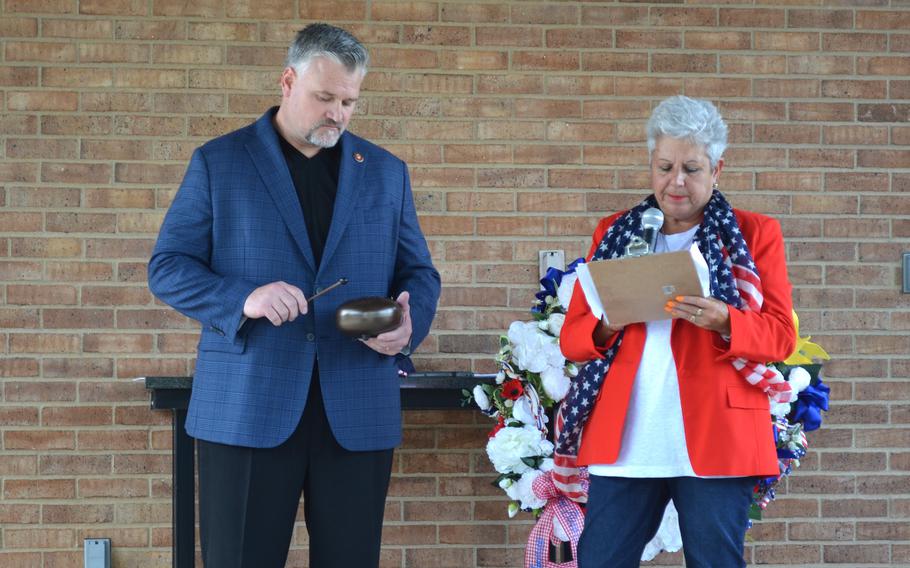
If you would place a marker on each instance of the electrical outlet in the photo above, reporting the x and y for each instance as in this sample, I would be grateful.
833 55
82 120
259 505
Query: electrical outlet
550 259
97 553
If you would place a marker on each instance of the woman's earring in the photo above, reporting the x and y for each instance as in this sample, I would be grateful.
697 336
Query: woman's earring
714 187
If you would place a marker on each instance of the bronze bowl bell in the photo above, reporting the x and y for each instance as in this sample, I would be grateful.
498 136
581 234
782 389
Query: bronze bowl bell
368 317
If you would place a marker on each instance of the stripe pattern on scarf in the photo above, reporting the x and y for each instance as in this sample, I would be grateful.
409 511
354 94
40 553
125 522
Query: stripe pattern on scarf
733 280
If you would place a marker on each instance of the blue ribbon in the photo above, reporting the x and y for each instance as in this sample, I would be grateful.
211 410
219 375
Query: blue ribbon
809 406
550 282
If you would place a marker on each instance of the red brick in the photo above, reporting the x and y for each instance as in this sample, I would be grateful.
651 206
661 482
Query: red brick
19 27
44 343
106 391
545 60
63 464
411 11
852 41
752 17
209 8
539 154
884 113
787 553
621 62
260 9
436 35
721 41
561 38
508 36
854 89
83 367
43 100
151 319
850 181
82 28
472 534
648 39
510 177
855 553
18 367
787 134
882 20
56 52
477 13
223 31
116 102
474 60
855 135
821 111
18 77
575 85
75 172
480 201
799 158
645 86
39 440
76 416
39 538
142 463
39 489
544 14
879 65
863 228
517 226
823 19
150 174
820 65
883 159
548 108
46 247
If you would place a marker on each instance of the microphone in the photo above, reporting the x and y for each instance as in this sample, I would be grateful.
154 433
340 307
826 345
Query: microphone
651 221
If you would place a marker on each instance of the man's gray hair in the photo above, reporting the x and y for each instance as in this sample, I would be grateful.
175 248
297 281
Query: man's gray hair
697 120
324 40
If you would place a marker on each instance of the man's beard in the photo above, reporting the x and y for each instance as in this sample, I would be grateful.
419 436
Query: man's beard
327 139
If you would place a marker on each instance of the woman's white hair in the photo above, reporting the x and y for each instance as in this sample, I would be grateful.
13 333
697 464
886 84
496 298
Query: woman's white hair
683 118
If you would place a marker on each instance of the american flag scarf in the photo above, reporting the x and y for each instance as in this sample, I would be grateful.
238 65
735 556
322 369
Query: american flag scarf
734 280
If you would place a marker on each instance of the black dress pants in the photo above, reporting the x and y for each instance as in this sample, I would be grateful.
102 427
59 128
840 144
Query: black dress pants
248 498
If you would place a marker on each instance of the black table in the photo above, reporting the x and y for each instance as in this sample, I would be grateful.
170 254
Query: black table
419 391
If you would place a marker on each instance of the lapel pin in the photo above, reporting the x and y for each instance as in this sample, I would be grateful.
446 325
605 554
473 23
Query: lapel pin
358 157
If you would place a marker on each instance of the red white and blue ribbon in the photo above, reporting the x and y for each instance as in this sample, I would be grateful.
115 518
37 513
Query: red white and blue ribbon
561 509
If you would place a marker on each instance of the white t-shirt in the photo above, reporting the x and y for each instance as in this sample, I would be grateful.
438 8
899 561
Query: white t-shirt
654 438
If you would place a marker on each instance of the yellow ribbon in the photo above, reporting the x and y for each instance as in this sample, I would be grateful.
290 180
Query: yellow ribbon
805 350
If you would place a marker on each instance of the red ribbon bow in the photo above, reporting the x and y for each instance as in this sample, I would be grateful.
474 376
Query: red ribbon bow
570 516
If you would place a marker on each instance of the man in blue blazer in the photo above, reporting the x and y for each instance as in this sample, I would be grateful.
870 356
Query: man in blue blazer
282 402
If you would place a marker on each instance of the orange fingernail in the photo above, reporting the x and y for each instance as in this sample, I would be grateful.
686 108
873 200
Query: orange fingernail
679 298
670 304
668 309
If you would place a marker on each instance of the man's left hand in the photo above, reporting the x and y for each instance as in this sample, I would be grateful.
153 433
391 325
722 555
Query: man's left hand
392 342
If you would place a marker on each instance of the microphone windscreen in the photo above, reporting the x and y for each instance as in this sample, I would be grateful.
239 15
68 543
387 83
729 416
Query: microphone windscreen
652 218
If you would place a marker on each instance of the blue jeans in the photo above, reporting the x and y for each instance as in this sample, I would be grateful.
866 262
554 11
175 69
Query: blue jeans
623 514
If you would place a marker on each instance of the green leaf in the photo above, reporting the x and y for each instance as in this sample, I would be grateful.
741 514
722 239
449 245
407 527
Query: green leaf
534 461
755 512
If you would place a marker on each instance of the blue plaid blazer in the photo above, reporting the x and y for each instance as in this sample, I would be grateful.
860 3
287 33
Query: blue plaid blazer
234 225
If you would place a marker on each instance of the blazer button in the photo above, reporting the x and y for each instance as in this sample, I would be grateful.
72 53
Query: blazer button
310 337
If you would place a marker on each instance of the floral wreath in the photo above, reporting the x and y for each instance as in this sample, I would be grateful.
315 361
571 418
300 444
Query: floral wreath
534 378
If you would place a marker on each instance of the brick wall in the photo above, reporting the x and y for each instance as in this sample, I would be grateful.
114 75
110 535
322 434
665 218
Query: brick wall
522 123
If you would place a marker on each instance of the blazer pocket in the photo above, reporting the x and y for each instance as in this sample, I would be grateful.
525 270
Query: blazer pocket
211 341
747 397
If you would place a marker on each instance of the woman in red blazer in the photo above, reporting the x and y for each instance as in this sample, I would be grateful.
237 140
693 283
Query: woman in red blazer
682 411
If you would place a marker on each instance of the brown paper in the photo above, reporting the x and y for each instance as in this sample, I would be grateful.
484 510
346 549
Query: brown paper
635 289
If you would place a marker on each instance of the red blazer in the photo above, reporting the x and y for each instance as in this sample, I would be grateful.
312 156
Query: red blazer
727 421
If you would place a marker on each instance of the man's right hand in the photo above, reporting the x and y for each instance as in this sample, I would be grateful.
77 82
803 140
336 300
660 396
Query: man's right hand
278 301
